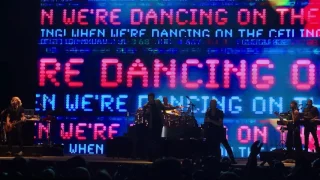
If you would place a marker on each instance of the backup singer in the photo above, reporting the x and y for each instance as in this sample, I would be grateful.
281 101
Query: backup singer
214 117
15 117
293 135
310 113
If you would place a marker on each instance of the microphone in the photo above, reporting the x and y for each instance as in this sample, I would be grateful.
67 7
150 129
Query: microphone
187 97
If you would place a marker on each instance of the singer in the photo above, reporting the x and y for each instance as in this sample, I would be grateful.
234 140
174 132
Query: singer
153 111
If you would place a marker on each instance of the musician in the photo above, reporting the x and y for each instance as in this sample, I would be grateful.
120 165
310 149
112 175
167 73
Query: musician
15 113
166 103
154 111
293 135
214 116
310 113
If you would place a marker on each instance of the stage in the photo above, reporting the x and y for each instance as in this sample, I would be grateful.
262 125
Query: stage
118 155
92 159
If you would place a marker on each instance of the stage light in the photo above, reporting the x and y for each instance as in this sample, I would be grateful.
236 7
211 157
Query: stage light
277 3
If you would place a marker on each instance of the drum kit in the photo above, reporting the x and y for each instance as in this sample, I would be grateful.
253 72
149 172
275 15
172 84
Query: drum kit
179 117
139 119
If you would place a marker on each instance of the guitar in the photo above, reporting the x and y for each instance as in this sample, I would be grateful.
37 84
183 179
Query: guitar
10 126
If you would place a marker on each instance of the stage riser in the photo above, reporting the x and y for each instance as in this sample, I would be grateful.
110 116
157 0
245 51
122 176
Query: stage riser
34 150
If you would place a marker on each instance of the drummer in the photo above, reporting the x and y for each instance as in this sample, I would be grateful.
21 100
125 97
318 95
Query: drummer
166 103
172 112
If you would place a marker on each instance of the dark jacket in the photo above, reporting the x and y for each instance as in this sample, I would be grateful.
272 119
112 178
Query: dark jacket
155 120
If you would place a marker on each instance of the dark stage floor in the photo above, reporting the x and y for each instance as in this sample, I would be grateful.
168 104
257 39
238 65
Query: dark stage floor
103 159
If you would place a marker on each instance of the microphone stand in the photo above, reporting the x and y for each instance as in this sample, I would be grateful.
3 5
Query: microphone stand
128 103
191 109
48 120
127 120
3 133
295 126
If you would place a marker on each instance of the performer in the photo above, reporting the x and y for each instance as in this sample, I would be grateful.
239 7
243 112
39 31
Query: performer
214 117
15 117
310 113
166 103
293 135
154 111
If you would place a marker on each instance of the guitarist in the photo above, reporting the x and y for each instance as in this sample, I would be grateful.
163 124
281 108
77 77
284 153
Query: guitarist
214 122
293 135
15 113
310 113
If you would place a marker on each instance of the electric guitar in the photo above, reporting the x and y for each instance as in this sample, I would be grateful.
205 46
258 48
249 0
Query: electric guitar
9 126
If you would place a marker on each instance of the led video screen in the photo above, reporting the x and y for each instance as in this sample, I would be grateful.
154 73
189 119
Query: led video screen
101 58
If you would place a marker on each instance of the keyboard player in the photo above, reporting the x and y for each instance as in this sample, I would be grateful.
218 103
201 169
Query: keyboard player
293 135
311 113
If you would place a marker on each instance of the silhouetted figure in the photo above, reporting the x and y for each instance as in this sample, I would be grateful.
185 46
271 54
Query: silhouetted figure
154 111
15 118
310 113
293 135
216 131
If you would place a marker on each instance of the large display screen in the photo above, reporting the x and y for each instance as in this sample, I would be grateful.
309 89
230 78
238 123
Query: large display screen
100 58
